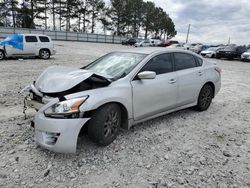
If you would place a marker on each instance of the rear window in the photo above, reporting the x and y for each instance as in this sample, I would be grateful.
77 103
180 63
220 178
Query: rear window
199 61
30 39
44 39
184 61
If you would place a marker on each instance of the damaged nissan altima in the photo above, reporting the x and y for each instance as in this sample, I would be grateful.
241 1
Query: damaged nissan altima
117 91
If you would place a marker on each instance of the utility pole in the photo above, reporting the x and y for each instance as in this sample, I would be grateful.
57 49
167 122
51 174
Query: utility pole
229 40
188 33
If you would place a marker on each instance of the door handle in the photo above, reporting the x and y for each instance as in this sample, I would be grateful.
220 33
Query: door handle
172 81
200 73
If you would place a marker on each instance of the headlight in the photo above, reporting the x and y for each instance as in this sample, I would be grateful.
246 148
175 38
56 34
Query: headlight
67 108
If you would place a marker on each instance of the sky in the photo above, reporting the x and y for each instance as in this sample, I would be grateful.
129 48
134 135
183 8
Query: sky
212 21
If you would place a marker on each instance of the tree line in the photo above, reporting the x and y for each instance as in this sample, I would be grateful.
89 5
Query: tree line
121 17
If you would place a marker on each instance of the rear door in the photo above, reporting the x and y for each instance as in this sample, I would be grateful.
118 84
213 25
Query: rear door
45 42
152 96
190 77
31 45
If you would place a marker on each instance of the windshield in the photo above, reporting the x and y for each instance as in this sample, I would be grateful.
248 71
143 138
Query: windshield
116 64
230 48
211 49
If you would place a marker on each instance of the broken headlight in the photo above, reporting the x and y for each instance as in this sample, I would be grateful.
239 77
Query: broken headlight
66 109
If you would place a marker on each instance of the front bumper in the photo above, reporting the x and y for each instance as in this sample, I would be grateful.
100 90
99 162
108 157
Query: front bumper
58 135
245 57
207 55
53 52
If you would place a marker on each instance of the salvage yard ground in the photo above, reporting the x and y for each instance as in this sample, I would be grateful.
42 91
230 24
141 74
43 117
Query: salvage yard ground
182 149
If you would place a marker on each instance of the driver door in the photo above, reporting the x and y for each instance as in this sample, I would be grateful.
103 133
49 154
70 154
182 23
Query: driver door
153 96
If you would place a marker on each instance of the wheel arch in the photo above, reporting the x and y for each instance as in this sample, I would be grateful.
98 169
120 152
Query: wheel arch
212 85
4 55
45 49
124 113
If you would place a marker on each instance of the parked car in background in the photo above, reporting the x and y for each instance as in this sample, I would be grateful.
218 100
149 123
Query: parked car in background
231 52
196 48
27 45
246 56
210 52
168 43
130 41
117 91
148 42
177 46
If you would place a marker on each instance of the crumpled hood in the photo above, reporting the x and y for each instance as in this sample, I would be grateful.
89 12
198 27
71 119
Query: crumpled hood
59 78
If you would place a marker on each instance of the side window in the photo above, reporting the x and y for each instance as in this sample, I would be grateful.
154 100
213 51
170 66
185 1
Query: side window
30 39
159 64
43 39
199 61
184 61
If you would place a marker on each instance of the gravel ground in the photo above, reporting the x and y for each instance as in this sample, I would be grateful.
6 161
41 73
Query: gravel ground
182 149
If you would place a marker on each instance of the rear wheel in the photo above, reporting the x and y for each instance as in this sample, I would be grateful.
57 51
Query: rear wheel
2 55
104 124
44 54
205 98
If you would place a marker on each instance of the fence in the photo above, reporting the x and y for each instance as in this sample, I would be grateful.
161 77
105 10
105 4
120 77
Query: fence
63 35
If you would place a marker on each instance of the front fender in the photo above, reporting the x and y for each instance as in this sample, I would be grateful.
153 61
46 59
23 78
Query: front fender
101 96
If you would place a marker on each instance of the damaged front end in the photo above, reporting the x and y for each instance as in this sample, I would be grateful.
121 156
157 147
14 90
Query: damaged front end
59 120
58 81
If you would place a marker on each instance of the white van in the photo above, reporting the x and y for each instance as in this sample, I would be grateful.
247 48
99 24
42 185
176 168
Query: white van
27 45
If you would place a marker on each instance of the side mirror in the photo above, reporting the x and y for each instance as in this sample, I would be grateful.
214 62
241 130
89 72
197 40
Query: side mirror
146 75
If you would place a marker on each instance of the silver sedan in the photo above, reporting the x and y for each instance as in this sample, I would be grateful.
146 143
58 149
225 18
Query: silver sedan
117 91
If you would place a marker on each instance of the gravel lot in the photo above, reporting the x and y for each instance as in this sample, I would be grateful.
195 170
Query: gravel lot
182 149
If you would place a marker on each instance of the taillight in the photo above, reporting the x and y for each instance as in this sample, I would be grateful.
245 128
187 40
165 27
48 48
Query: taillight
218 69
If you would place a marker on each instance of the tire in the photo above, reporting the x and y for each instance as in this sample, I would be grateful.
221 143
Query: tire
104 124
44 54
218 57
2 55
213 56
205 98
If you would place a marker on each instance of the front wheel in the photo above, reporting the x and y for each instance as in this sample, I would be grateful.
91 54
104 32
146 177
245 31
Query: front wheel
205 98
44 54
104 124
2 55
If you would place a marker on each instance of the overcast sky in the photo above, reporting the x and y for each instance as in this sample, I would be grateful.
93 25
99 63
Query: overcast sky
212 21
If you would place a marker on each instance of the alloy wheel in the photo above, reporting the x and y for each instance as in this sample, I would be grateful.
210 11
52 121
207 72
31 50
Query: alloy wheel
1 55
45 54
111 124
206 97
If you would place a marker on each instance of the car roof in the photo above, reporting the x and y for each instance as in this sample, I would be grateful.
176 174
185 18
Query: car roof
151 50
32 34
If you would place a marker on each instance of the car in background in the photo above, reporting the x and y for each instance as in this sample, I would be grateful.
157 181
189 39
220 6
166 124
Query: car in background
148 42
210 52
27 45
196 48
231 52
177 46
130 41
246 56
168 43
116 91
